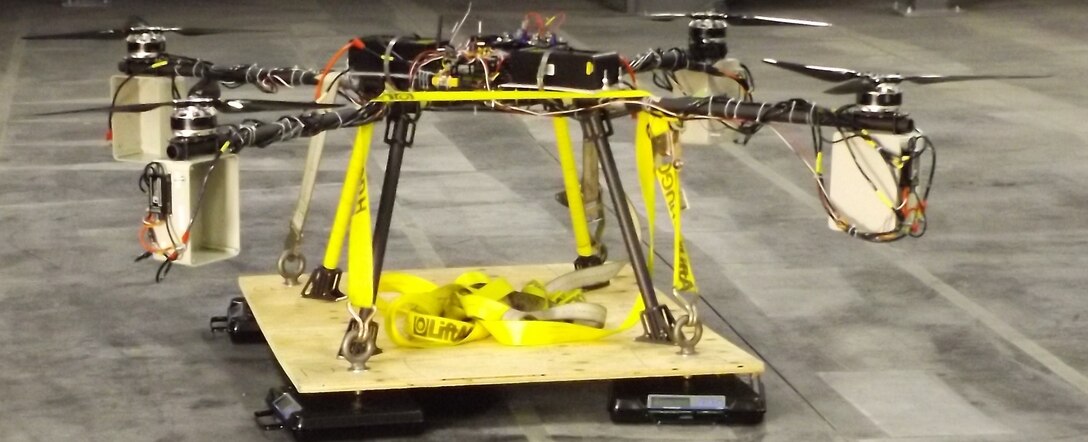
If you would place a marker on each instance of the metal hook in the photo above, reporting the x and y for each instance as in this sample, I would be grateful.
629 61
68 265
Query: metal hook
358 347
686 344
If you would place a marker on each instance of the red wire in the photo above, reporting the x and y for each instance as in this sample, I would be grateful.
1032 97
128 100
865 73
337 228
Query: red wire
354 43
536 17
415 64
630 71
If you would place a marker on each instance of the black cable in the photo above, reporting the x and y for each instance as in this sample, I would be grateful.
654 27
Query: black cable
912 145
200 196
661 80
750 79
113 103
174 87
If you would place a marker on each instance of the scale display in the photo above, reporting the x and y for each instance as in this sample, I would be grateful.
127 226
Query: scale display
685 402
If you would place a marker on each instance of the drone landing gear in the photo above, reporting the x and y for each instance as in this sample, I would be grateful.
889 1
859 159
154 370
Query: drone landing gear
583 200
238 323
345 414
710 399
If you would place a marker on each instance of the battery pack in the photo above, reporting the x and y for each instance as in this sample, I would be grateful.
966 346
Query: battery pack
564 68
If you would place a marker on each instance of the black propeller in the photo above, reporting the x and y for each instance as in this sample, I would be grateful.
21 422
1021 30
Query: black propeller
852 81
134 25
231 106
736 19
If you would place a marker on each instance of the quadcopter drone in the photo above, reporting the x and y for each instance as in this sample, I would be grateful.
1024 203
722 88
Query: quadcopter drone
530 71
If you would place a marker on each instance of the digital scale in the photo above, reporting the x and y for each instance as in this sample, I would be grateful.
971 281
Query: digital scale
680 400
394 412
238 323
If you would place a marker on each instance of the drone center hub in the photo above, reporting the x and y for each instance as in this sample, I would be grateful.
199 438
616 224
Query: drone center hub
706 39
146 45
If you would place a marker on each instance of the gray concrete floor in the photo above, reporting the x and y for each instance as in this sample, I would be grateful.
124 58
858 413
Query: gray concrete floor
975 332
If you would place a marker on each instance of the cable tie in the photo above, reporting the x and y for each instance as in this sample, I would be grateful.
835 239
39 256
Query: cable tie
759 113
386 59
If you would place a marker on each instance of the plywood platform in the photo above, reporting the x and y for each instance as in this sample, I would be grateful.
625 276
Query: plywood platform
305 336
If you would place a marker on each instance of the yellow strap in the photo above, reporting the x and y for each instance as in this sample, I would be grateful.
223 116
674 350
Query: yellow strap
644 160
422 303
420 315
424 321
360 247
348 194
420 96
682 277
648 128
525 333
578 222
439 331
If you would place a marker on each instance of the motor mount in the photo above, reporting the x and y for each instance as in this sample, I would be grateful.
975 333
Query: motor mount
145 44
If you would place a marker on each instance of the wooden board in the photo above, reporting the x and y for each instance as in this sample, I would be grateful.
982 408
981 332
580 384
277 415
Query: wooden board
305 336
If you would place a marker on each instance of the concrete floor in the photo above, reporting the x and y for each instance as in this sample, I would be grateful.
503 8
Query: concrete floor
974 332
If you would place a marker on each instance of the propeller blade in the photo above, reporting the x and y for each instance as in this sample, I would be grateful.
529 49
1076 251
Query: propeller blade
136 22
141 107
931 79
820 72
667 16
762 20
206 31
132 25
73 111
206 88
251 105
108 34
851 86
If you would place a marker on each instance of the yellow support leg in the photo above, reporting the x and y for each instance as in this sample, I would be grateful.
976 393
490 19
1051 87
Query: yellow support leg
361 241
324 282
578 220
356 173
